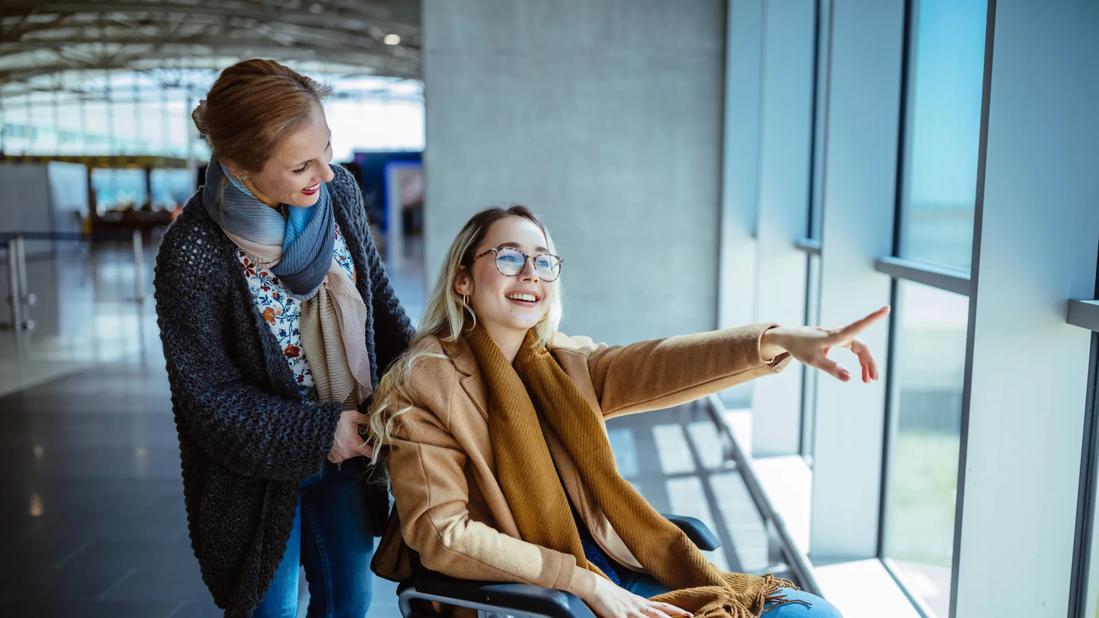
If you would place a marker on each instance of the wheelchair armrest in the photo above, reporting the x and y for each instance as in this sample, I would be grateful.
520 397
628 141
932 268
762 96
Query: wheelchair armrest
526 598
498 596
699 533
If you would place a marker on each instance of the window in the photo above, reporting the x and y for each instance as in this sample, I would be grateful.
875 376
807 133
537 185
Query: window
172 187
119 188
942 124
924 440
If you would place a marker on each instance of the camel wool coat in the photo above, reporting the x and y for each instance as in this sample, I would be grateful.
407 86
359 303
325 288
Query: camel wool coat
452 510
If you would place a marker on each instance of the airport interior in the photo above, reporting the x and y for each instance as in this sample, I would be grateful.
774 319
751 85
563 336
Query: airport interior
702 165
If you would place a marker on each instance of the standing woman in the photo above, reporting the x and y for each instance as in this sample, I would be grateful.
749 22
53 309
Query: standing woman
276 316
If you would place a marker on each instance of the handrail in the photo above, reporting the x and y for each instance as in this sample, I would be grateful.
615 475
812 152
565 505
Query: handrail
21 299
796 558
65 236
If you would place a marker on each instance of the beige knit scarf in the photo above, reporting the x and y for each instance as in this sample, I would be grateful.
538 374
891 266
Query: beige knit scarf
535 396
333 330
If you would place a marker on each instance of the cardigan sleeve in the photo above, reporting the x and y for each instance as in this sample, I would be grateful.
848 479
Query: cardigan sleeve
259 433
426 467
657 374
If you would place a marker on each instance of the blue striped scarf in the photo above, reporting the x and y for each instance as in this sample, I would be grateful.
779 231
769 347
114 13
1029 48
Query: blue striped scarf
306 236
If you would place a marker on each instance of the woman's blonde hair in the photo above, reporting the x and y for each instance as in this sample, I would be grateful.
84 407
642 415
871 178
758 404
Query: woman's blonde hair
446 317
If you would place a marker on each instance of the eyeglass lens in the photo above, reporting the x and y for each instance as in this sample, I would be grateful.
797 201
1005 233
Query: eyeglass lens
511 263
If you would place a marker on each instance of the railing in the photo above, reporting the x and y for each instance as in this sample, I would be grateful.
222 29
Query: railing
796 559
21 299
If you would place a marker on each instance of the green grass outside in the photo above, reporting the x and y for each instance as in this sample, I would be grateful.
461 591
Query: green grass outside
920 515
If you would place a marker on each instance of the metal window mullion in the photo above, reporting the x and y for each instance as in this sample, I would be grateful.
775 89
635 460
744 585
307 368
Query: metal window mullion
1084 313
945 278
809 245
1082 554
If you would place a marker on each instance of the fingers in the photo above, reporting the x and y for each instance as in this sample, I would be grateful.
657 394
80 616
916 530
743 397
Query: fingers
827 365
866 360
848 332
340 452
670 610
650 609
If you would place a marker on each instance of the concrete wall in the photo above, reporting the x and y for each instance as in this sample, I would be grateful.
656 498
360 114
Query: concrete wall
606 117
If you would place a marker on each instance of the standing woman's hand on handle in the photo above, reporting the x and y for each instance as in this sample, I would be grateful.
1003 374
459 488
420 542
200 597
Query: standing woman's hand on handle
347 442
811 344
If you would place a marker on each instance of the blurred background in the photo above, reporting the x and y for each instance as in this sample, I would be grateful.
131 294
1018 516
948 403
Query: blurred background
701 164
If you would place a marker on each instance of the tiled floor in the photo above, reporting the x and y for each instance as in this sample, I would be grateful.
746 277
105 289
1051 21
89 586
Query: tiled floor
93 516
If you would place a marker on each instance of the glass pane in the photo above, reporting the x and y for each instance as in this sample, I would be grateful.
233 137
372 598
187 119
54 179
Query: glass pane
926 400
119 188
172 188
816 204
946 65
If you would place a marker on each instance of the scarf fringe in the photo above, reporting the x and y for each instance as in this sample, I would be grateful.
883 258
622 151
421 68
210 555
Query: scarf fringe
727 602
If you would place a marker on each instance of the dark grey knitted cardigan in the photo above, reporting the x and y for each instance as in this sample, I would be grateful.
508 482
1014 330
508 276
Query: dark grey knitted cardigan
247 436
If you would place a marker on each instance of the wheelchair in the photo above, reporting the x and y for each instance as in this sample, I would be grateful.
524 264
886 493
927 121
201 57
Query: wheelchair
500 600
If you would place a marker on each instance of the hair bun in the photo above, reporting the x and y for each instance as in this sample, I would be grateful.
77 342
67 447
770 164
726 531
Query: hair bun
199 117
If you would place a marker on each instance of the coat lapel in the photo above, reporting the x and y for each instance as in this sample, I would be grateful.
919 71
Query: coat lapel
474 386
462 357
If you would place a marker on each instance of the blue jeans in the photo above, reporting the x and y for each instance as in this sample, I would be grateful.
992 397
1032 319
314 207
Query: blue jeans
809 605
332 540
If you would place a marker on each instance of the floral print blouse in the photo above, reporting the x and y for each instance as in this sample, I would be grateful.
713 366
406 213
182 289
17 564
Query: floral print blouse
282 311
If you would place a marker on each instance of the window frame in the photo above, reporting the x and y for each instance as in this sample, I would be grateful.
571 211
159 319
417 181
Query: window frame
950 279
1084 595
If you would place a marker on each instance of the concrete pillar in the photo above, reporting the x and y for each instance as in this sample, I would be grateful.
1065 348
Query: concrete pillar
605 116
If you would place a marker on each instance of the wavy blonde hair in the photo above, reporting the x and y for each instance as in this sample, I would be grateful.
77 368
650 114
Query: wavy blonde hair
446 317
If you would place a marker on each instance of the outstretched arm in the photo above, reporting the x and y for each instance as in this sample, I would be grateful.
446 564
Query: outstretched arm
656 374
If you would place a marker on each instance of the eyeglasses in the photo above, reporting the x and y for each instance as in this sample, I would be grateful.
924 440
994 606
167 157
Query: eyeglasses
510 262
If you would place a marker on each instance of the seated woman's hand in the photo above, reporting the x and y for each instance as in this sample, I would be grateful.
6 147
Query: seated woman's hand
611 601
811 344
347 442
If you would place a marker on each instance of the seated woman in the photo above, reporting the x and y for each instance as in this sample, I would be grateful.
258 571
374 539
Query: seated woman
493 432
